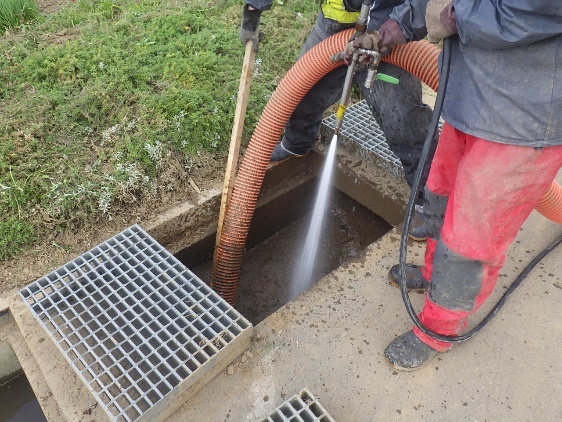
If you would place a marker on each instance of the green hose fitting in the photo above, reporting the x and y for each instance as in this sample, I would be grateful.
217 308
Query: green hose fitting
387 78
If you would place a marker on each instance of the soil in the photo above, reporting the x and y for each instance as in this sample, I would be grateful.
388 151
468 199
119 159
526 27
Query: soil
61 247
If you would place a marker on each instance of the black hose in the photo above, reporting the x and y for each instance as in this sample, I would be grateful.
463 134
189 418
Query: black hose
423 170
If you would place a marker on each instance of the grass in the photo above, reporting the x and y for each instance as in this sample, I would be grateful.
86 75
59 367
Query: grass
14 13
103 100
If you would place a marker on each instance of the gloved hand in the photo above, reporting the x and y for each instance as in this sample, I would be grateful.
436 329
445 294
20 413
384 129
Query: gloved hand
390 35
449 19
249 28
369 41
440 20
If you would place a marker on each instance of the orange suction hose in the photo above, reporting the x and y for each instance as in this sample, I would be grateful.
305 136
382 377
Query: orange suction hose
418 58
550 204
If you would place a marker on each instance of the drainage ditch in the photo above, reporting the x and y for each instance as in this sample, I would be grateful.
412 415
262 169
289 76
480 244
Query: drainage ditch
19 402
276 236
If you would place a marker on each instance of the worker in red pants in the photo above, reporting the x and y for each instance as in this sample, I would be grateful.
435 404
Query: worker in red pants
498 153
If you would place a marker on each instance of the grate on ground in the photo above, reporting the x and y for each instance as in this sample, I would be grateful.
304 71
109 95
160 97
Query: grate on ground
360 126
302 407
135 324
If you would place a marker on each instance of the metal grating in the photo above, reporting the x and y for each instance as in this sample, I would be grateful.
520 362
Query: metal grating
133 322
302 407
360 126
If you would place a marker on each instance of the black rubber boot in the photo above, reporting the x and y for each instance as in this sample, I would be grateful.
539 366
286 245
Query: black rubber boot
418 229
415 281
408 352
280 154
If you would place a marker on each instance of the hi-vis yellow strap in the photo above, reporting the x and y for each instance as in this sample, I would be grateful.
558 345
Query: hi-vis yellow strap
335 10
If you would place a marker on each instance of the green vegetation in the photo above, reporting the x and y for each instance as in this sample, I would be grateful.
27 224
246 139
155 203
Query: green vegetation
103 98
14 13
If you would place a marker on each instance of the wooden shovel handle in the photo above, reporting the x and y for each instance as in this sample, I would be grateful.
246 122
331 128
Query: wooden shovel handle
236 136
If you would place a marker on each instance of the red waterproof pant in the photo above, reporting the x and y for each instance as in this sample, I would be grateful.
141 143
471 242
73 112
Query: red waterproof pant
478 195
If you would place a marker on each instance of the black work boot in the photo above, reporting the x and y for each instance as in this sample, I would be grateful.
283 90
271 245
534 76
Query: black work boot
418 229
415 281
281 153
408 352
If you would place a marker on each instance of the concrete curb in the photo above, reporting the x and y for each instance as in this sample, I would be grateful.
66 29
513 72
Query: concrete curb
9 364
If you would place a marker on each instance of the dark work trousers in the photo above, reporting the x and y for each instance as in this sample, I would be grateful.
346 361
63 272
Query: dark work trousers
478 195
398 109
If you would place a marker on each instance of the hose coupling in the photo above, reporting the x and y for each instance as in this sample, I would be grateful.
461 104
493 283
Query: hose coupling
372 69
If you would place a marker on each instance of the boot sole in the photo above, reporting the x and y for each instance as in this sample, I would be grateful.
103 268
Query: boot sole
399 368
395 284
417 239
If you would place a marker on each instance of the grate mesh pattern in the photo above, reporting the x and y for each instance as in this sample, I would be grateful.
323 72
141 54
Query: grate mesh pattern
302 407
360 126
132 321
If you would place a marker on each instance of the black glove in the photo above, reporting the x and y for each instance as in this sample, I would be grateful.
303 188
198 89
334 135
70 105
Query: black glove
249 28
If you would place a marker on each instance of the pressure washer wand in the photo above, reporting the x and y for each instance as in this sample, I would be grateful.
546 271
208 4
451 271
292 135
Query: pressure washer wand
372 70
345 94
360 28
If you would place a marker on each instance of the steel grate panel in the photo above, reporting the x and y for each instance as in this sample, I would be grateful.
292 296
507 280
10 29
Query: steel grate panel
132 321
360 126
302 407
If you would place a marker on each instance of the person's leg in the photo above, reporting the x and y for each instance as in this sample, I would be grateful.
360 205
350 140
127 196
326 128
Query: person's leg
404 118
496 187
408 352
439 185
401 114
303 127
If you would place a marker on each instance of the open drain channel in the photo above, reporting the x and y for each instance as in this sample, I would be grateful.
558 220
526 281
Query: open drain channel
275 241
136 325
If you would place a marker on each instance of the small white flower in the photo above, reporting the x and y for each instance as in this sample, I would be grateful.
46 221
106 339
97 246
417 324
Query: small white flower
101 65
257 67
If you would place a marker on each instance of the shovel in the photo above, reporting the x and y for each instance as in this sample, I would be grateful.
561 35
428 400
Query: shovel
236 136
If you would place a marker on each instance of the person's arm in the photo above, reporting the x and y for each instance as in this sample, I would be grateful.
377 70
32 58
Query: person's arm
410 17
506 24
